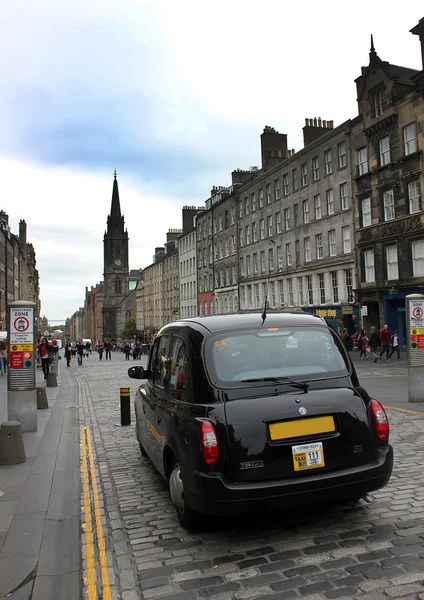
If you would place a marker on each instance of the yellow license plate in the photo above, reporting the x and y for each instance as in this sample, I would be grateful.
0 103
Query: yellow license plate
308 456
301 427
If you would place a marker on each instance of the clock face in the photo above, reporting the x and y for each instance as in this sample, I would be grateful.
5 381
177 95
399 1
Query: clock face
117 262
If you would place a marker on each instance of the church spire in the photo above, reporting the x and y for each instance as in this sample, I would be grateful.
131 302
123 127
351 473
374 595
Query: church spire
115 210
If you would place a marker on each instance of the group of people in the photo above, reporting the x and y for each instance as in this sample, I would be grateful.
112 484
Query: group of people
45 351
383 342
105 347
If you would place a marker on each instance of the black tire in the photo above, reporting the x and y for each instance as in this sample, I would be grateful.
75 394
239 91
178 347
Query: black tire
188 518
142 450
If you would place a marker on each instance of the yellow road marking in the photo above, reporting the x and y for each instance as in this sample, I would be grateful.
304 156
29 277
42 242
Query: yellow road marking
91 569
405 410
106 595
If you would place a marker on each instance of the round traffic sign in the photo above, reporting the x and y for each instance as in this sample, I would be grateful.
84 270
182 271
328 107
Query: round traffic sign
417 312
21 324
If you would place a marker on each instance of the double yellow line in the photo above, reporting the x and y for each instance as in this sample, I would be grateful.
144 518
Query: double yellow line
91 500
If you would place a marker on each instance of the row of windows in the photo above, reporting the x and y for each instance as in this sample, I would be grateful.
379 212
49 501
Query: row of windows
273 191
188 311
275 259
156 304
188 267
188 290
224 220
384 150
250 203
388 204
171 263
322 288
251 233
187 243
205 308
391 262
218 251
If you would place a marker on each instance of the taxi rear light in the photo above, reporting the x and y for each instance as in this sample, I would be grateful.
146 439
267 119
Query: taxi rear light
209 443
379 420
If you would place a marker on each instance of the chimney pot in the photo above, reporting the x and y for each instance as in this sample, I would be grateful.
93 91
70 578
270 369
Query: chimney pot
306 122
319 122
324 123
315 121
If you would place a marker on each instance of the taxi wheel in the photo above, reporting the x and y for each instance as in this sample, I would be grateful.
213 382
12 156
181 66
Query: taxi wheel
188 518
142 450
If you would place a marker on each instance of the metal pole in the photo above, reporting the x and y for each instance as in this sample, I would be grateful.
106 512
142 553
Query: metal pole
125 406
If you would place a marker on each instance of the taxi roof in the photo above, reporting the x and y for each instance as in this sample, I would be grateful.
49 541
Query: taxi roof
250 320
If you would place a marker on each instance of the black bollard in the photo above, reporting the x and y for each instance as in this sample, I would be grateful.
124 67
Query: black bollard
125 406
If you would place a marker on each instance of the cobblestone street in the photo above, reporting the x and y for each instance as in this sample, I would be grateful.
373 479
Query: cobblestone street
365 550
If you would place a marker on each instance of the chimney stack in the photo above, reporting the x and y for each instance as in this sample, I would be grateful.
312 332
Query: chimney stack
273 147
22 233
314 129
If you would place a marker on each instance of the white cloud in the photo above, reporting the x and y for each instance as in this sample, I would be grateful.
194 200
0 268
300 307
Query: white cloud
66 214
173 94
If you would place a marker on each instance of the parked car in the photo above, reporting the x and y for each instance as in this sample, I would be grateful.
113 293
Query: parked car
236 417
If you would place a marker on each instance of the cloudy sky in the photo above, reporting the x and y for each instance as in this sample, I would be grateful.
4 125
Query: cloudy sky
174 95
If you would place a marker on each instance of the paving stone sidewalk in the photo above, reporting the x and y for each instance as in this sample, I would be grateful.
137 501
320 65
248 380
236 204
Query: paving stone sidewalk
39 508
366 550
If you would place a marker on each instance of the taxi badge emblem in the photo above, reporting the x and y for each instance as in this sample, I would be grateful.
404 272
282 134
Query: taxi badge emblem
302 410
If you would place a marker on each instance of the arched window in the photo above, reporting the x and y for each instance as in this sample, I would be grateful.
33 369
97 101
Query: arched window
225 305
231 304
217 306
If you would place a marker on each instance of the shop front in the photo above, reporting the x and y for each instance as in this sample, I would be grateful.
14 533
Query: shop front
345 316
395 310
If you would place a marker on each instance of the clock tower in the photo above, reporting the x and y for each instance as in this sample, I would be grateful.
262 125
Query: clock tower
115 266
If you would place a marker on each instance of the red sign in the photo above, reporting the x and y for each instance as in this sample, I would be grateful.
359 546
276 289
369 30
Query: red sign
420 341
17 360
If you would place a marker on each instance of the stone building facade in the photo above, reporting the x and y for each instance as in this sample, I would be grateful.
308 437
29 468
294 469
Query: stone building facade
170 284
19 278
388 143
187 256
295 226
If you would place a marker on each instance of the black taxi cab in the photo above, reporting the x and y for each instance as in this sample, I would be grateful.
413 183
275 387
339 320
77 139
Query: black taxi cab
250 412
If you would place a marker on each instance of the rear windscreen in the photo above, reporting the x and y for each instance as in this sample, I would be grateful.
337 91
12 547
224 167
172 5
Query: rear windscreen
302 353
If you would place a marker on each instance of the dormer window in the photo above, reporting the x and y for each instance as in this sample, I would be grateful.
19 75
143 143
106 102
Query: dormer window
378 104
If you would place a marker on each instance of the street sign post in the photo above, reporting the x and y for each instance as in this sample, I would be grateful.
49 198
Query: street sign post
22 393
415 346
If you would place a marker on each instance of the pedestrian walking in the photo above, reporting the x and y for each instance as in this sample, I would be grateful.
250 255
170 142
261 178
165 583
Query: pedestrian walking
100 350
108 348
362 345
3 357
80 347
395 345
68 354
127 350
386 340
345 339
44 353
374 342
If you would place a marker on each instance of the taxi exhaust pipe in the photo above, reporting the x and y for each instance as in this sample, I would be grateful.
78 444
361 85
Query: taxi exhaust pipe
368 499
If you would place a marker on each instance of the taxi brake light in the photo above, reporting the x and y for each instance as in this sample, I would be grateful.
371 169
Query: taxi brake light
379 420
209 443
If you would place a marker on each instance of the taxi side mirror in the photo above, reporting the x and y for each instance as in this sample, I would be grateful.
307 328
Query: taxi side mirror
138 372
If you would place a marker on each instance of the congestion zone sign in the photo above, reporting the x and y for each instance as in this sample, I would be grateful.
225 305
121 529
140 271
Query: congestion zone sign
21 324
